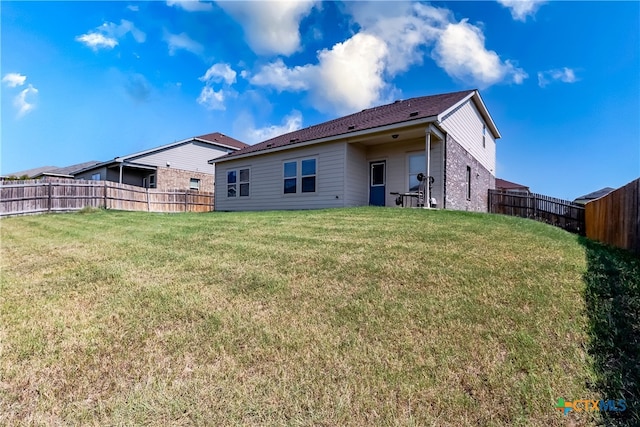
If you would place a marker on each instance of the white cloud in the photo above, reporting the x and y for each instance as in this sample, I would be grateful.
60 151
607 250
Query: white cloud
211 99
24 100
218 73
290 123
406 29
270 27
191 5
350 75
347 78
97 41
520 9
392 37
106 36
565 75
182 41
276 74
133 8
460 50
14 79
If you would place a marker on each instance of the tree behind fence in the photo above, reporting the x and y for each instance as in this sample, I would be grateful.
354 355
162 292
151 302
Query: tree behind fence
558 212
28 197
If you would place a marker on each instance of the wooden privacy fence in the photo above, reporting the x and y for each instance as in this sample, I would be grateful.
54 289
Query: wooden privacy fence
558 212
615 218
28 197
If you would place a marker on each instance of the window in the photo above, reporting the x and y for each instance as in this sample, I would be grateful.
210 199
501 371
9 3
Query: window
238 182
299 176
468 182
244 182
308 170
417 164
95 177
194 184
290 177
484 133
149 182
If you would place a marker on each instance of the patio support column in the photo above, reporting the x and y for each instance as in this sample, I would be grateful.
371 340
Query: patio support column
120 177
427 157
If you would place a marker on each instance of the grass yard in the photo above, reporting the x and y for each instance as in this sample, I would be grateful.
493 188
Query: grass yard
366 316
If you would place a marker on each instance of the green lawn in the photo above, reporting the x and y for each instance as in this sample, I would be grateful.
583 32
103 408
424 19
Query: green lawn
367 316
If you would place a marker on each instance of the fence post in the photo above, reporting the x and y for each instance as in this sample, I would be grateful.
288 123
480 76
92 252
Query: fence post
49 199
105 195
148 202
186 196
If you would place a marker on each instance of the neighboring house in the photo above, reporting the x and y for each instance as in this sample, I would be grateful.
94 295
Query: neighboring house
178 166
362 158
51 172
511 187
582 200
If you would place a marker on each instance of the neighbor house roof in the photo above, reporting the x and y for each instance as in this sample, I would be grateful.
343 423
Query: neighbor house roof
508 185
65 172
371 119
32 172
596 194
219 138
216 138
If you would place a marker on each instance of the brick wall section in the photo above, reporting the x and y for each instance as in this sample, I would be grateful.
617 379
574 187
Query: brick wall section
179 179
456 161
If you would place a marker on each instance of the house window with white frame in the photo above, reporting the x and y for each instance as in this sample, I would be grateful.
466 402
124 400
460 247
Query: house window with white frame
299 176
96 177
238 182
484 133
149 182
194 184
417 165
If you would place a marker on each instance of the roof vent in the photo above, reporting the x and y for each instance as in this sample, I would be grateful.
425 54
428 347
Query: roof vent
269 145
415 113
352 127
397 100
293 139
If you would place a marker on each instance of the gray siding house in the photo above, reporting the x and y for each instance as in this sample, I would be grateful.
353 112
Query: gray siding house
370 158
177 166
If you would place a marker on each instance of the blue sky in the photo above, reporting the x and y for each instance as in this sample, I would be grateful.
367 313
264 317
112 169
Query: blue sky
95 80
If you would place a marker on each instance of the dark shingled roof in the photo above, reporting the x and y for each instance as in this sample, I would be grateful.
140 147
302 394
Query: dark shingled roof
508 185
54 170
384 115
223 139
596 194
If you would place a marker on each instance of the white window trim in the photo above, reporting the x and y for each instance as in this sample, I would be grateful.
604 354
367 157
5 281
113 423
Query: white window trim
484 133
384 178
408 169
197 181
299 177
238 182
146 181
